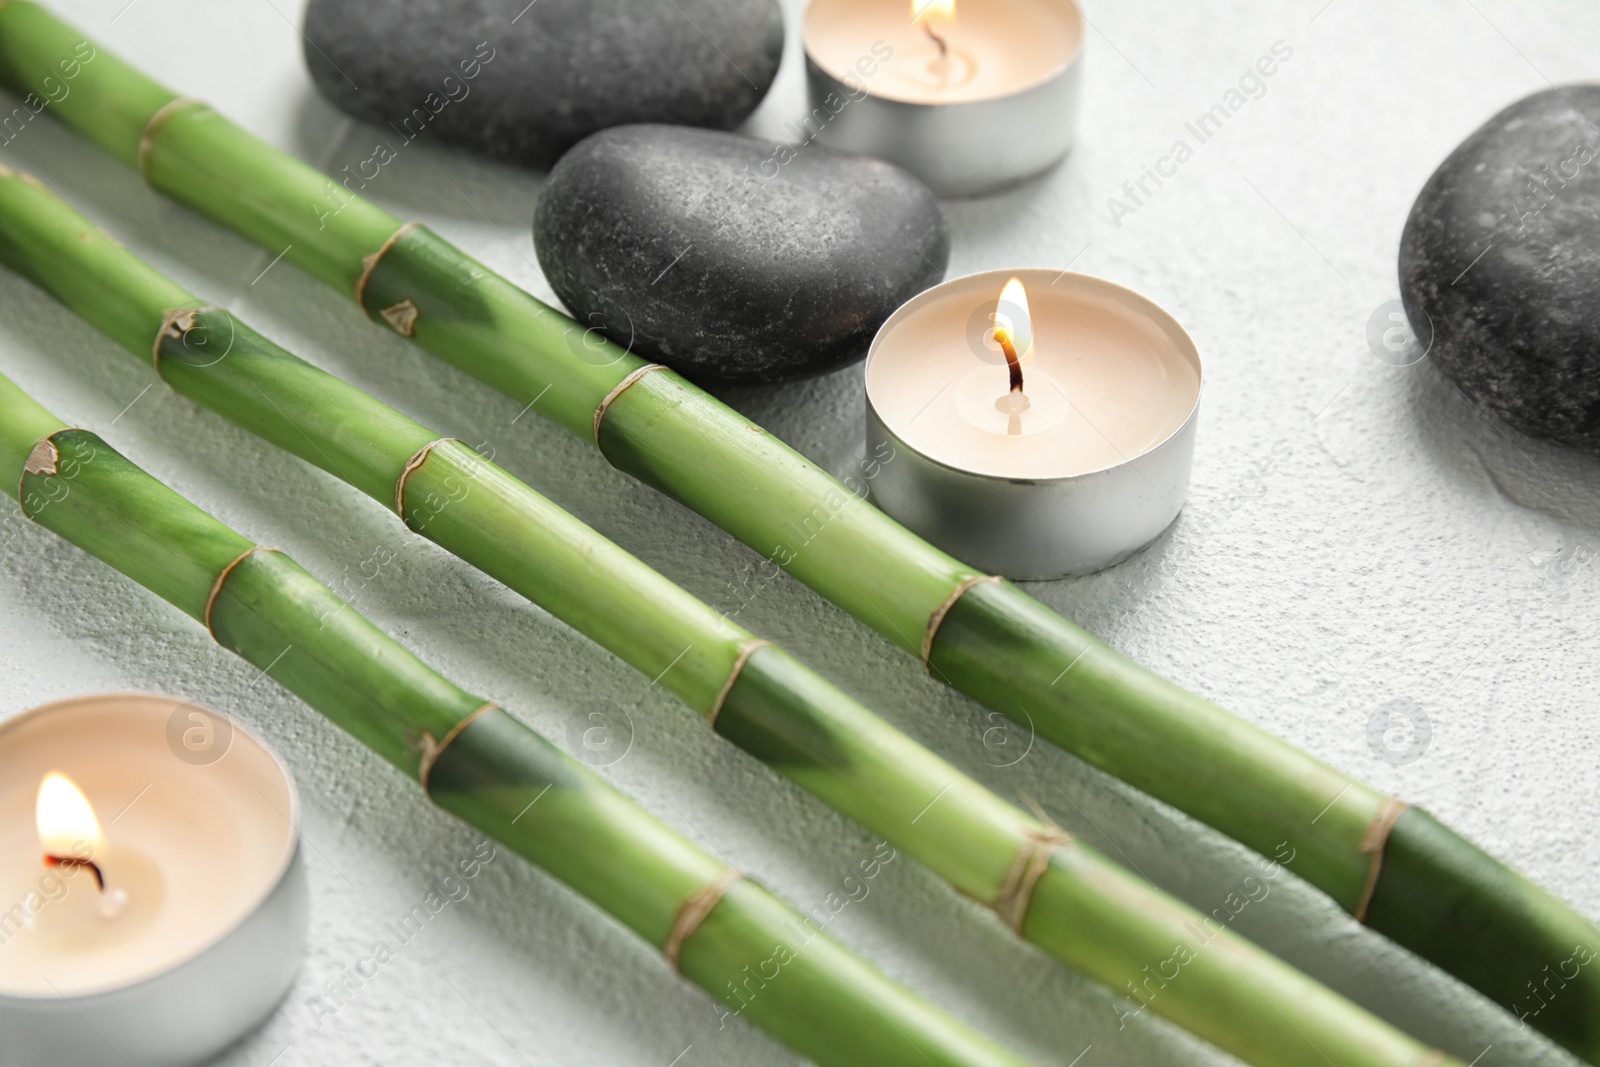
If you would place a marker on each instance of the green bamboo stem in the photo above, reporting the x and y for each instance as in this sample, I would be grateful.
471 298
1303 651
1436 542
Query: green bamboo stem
751 951
1240 998
996 643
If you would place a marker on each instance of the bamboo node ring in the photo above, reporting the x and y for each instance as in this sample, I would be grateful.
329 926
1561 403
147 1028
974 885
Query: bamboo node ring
222 578
1373 843
410 468
369 264
746 650
431 749
175 324
147 136
44 459
694 912
1033 860
937 618
621 387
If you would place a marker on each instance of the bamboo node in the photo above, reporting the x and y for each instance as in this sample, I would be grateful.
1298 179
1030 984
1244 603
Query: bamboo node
176 324
621 387
147 137
44 458
370 263
746 650
937 618
1373 843
694 912
410 468
222 578
431 749
403 317
1033 860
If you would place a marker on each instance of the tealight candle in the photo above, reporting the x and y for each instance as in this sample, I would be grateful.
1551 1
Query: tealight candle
1039 423
152 896
970 100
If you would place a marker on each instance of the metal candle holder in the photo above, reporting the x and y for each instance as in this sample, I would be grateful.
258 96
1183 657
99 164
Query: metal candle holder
1036 528
196 1008
961 148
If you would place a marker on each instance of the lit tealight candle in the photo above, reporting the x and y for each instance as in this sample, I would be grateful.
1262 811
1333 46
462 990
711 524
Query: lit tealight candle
152 899
70 838
1041 423
970 100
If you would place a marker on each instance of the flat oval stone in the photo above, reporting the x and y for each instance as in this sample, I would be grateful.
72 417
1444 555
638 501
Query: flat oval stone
526 86
1501 258
735 259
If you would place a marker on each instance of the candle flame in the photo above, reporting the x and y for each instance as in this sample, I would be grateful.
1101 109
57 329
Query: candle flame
941 10
1012 322
67 826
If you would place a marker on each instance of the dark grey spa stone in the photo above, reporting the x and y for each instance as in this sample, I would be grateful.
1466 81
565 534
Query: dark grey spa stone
1501 257
526 86
734 259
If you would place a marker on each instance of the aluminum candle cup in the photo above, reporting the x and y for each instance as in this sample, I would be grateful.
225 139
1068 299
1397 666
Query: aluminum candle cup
152 895
969 100
1063 460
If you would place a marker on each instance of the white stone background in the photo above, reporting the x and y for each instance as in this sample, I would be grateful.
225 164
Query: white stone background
1356 534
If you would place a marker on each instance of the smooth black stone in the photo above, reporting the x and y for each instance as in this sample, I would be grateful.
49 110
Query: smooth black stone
542 80
734 259
1516 207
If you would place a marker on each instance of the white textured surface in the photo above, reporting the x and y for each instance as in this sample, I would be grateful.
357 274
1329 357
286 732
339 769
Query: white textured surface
1356 535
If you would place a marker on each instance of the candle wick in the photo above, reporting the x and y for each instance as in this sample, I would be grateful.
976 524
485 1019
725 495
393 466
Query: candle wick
944 46
1013 364
73 862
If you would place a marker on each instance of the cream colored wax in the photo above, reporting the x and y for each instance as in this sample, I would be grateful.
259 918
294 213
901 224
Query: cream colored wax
192 845
1108 377
995 47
